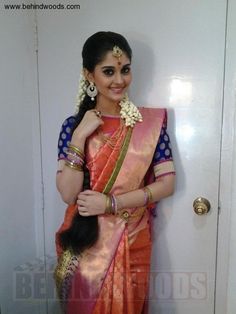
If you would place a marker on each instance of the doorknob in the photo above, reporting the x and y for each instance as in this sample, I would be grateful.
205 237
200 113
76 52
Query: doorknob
201 206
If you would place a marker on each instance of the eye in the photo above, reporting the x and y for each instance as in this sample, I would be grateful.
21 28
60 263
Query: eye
125 70
108 72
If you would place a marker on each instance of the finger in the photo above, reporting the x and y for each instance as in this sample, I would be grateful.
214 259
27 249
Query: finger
82 209
81 202
88 192
82 197
84 214
97 113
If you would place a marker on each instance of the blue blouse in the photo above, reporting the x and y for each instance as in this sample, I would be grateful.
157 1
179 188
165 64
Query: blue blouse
162 153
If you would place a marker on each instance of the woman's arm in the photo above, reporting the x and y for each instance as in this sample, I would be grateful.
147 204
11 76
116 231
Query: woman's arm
69 181
94 203
161 188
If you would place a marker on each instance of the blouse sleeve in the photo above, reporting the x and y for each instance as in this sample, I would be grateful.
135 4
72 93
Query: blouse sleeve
162 161
64 139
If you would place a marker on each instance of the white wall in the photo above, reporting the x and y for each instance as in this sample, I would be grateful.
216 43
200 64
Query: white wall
19 162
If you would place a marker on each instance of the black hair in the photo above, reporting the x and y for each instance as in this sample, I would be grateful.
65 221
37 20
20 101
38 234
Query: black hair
83 232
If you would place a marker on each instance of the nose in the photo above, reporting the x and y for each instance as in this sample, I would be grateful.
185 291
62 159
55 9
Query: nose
118 78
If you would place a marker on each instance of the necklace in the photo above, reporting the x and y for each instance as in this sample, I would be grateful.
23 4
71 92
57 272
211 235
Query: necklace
111 140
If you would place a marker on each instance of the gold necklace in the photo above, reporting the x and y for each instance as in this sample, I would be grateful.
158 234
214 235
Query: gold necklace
111 140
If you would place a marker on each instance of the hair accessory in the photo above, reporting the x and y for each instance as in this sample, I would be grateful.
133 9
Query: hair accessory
83 84
92 91
117 52
129 112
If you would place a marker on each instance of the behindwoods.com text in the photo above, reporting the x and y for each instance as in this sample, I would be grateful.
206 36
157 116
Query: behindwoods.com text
42 6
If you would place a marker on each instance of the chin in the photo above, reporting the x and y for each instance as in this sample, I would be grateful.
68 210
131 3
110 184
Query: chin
118 97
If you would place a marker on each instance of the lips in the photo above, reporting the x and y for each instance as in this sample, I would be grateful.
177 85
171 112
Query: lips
117 90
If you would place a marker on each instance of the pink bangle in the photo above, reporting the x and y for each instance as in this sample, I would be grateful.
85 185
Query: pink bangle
75 159
114 204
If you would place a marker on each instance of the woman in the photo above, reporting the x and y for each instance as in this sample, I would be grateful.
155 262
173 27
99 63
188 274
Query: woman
115 163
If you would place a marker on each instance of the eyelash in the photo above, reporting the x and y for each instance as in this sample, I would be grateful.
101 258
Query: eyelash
110 72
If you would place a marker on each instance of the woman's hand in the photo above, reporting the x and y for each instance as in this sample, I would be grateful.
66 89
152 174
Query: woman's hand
90 122
91 203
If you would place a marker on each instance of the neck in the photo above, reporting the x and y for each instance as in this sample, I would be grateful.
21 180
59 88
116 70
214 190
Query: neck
107 107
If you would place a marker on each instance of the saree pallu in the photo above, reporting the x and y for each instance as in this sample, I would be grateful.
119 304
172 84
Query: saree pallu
112 276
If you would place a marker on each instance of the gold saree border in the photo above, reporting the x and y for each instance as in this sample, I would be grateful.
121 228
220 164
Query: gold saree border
63 273
119 162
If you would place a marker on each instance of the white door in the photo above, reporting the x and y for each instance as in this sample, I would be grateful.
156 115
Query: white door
179 64
190 80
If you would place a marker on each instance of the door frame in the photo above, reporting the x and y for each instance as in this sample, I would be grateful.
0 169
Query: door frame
226 170
224 212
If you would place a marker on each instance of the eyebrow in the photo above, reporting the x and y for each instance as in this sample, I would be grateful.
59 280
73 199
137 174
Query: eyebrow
112 67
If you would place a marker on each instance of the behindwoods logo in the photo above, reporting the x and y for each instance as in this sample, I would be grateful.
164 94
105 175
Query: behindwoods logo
42 6
34 280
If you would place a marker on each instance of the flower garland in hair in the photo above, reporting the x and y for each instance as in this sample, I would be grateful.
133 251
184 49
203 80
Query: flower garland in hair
129 112
83 84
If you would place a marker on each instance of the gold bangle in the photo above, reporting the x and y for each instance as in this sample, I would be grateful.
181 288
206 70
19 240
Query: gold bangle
77 150
149 195
74 166
108 209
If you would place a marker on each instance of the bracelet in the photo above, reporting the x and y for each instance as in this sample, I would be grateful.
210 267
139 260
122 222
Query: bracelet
74 158
114 204
76 150
147 196
108 209
111 205
73 165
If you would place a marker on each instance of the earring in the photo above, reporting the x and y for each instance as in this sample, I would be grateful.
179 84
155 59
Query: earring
91 91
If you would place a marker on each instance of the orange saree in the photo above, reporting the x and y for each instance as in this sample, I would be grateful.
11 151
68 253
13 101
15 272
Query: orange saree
112 276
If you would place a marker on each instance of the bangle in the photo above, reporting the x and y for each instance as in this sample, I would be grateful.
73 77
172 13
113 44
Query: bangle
108 209
111 205
74 158
114 204
147 196
73 165
76 150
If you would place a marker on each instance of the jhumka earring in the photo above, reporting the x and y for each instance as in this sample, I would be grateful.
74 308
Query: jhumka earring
91 91
117 53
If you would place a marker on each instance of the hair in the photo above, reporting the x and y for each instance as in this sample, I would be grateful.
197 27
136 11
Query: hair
84 231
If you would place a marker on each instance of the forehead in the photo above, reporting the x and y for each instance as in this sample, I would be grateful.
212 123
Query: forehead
110 60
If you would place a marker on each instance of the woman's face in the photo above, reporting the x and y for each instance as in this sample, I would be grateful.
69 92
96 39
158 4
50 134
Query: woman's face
112 78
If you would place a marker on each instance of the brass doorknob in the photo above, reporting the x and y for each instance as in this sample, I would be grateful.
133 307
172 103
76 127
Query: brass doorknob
201 206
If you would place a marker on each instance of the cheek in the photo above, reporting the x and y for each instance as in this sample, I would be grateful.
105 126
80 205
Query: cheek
102 83
128 79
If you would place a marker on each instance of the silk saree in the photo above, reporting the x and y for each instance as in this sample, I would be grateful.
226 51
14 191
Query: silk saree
113 275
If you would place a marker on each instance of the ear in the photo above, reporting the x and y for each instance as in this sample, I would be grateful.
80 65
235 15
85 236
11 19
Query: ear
88 75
